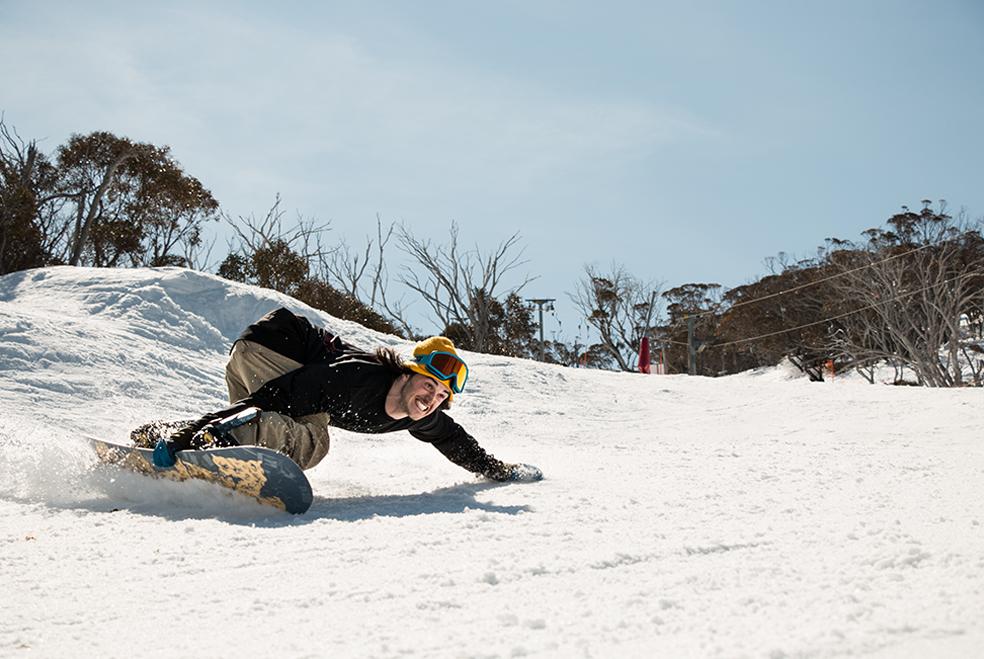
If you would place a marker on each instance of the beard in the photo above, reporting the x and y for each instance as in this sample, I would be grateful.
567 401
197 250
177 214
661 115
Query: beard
403 403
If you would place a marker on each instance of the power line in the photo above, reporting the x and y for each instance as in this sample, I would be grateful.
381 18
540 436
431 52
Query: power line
824 279
691 317
827 320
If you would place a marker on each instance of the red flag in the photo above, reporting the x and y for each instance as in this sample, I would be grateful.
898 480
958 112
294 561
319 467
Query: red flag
644 355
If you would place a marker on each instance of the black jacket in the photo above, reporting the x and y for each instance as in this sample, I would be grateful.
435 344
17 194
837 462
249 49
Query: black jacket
347 384
295 337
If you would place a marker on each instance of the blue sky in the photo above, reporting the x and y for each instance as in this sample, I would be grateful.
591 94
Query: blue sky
687 141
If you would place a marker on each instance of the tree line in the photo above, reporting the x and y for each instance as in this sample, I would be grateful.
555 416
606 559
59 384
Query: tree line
909 294
102 200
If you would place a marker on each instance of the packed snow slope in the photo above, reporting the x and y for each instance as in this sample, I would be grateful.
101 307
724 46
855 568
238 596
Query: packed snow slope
757 515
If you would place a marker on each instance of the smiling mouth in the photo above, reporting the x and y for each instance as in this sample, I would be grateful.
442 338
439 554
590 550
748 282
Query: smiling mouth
421 405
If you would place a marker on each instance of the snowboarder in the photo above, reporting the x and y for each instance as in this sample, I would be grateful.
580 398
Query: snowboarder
289 380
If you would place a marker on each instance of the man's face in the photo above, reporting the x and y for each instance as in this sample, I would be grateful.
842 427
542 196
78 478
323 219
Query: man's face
421 396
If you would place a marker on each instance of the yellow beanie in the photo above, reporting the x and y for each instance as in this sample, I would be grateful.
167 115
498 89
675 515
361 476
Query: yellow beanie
426 347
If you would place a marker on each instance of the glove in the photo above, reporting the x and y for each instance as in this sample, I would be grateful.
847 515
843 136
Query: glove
517 473
212 436
524 473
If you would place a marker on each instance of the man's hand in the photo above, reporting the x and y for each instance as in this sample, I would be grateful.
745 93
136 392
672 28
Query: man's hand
212 436
517 473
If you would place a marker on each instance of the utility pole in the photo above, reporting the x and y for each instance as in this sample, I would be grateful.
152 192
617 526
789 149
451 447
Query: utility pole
692 344
541 303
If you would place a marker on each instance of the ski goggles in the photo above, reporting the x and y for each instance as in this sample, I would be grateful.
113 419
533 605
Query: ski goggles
445 366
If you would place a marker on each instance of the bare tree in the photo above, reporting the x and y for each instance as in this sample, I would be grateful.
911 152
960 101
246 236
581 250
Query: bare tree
462 287
26 175
348 267
198 256
292 259
622 308
303 237
917 288
363 275
274 255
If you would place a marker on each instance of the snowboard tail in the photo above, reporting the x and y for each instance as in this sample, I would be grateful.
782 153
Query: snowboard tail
269 477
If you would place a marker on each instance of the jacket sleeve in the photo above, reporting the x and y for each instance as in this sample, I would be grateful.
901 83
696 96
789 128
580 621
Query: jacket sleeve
459 447
307 390
181 438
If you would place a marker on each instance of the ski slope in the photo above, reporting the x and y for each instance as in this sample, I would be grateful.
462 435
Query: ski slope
756 515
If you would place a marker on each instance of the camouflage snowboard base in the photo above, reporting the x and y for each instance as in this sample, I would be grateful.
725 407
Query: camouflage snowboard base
269 477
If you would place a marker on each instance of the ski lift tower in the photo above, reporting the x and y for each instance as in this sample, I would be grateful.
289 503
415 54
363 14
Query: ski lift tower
542 303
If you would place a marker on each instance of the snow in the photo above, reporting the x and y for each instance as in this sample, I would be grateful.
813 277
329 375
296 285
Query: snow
756 515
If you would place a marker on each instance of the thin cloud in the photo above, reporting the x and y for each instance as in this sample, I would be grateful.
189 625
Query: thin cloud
293 98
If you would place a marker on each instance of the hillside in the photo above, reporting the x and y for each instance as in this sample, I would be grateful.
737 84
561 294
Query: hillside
753 515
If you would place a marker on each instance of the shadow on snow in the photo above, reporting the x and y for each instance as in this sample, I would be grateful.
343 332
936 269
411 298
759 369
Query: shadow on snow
454 499
225 506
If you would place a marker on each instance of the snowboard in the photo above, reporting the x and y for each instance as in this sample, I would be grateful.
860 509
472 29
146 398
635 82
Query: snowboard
269 477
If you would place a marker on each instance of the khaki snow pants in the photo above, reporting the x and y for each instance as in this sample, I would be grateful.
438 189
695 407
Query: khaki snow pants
304 439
